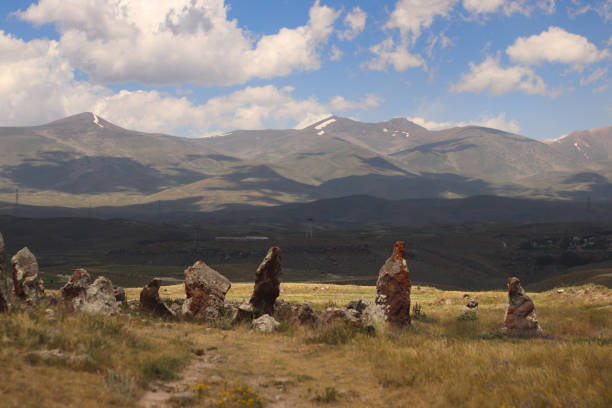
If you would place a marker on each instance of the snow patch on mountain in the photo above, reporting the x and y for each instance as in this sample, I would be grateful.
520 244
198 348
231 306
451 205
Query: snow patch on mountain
323 124
96 120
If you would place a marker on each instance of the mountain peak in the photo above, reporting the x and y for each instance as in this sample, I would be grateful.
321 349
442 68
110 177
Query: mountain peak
83 119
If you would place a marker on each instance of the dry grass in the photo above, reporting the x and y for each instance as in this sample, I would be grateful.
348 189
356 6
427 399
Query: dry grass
440 363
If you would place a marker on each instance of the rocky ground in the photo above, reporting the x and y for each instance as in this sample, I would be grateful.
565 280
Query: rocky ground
209 343
443 359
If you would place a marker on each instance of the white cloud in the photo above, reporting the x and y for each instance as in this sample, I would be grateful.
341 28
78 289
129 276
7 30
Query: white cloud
36 74
497 122
355 22
594 77
602 7
509 7
491 76
482 6
177 41
388 53
336 53
411 16
340 104
38 84
555 45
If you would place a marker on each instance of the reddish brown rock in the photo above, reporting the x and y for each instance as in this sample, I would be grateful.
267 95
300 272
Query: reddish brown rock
149 299
520 318
393 287
25 276
205 289
75 288
267 283
3 299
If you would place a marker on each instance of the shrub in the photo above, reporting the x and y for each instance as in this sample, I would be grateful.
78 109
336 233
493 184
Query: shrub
224 320
338 333
329 395
120 383
160 368
468 315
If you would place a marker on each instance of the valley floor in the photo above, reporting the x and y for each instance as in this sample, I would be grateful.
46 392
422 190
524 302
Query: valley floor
135 360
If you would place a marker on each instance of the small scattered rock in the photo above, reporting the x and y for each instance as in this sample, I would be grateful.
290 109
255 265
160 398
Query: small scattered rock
214 380
265 324
175 308
560 290
393 287
149 299
56 355
242 312
358 305
267 282
301 313
25 277
205 289
119 294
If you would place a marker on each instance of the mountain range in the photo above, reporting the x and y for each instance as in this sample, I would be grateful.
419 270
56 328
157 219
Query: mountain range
84 160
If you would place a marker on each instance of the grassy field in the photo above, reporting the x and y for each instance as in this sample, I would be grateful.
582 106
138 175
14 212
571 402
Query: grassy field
441 361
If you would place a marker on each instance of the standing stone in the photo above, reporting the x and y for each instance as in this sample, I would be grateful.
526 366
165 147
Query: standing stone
25 276
3 296
267 283
75 289
393 287
520 318
205 289
99 298
149 299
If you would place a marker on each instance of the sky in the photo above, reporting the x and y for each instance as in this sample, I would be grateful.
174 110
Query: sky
197 68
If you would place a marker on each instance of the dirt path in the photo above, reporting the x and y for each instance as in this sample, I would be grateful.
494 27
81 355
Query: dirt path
167 394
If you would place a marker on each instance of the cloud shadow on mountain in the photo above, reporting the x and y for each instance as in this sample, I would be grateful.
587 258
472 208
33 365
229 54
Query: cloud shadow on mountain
93 174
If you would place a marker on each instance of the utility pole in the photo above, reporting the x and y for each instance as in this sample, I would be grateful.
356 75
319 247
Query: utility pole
309 233
589 204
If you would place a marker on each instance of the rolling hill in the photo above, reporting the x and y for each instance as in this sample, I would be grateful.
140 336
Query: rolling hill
84 160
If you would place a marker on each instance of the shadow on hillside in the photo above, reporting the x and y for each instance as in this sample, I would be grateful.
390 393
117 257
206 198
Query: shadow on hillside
263 178
59 171
427 185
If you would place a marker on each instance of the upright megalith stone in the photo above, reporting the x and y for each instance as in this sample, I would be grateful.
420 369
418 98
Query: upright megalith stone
149 299
99 298
3 295
393 287
75 290
205 289
520 318
25 276
267 283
